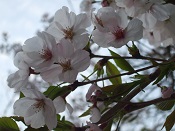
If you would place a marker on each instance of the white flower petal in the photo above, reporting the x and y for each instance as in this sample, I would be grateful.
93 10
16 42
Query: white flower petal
36 121
69 107
55 29
59 104
148 20
80 60
30 44
32 93
69 76
65 49
159 12
51 74
50 114
134 30
80 41
102 38
82 21
95 115
20 106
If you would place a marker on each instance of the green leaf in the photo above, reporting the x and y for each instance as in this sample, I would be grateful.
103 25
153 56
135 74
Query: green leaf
85 113
100 70
109 89
125 88
111 70
63 125
166 105
18 118
21 95
7 124
53 91
121 63
134 51
164 71
85 78
169 122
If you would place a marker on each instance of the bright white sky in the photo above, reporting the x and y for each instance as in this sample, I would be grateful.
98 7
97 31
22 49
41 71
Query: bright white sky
20 19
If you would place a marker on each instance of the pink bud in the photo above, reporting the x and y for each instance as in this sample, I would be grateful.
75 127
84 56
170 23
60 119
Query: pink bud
105 3
167 92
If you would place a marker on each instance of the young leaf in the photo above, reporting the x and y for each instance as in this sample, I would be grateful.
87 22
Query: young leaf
121 63
125 88
7 124
170 120
85 113
111 70
165 69
109 89
53 91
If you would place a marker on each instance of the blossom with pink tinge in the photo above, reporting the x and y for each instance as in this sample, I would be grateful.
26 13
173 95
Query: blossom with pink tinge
167 92
60 105
115 31
148 11
70 26
36 109
19 79
91 90
40 51
68 64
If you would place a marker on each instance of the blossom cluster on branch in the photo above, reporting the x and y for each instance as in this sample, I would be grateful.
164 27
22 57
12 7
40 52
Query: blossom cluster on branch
61 52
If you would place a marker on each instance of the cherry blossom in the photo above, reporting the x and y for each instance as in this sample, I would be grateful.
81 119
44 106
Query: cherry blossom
40 50
118 33
19 79
111 3
91 90
71 27
148 11
170 22
36 109
68 64
60 105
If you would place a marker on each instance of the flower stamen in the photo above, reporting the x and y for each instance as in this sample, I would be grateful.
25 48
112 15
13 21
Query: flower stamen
66 65
46 54
68 33
119 33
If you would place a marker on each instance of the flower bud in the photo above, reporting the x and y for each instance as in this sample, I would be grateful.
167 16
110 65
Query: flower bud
167 92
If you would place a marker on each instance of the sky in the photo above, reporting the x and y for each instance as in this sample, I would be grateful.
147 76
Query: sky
20 19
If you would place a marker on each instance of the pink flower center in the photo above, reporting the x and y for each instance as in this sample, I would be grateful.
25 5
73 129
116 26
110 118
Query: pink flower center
66 65
119 33
46 54
39 105
68 33
106 3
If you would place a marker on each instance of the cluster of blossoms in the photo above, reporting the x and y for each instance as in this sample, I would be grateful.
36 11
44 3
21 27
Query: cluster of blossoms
58 54
156 15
